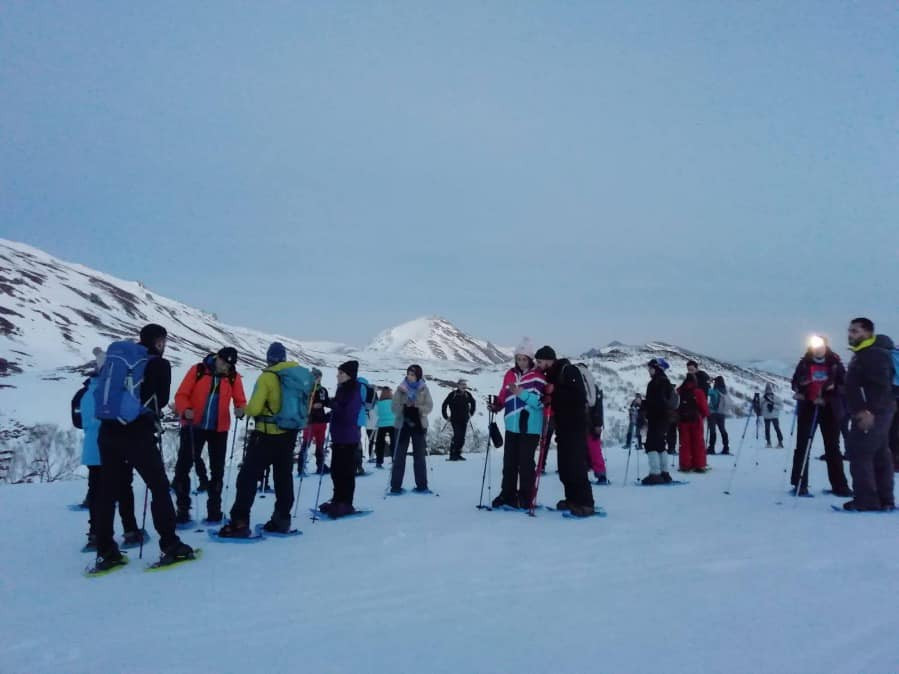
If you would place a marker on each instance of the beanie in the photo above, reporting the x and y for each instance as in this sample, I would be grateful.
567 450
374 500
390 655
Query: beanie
276 353
526 348
545 353
351 368
229 355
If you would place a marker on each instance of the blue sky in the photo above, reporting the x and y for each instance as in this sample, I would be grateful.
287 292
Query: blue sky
721 175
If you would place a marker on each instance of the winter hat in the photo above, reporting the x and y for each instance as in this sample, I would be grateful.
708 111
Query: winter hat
659 364
276 353
152 332
526 348
316 373
351 368
545 353
229 355
419 374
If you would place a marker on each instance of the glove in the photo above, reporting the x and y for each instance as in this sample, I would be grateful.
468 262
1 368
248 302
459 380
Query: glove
239 412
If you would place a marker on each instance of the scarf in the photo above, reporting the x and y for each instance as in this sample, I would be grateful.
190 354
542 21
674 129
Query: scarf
864 344
412 389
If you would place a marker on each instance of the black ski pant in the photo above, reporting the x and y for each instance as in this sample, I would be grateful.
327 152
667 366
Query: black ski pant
459 429
519 468
716 422
382 441
192 441
829 426
418 438
776 423
125 498
894 438
671 438
264 451
135 444
343 472
571 448
871 463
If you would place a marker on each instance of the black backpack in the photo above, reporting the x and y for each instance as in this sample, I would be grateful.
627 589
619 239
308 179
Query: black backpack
77 421
688 410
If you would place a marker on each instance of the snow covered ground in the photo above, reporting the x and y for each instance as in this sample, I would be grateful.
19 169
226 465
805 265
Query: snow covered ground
675 579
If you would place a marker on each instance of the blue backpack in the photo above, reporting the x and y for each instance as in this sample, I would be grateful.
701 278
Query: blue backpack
117 396
367 393
296 389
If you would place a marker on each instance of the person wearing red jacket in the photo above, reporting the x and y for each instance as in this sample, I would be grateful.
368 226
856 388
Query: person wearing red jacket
203 403
693 410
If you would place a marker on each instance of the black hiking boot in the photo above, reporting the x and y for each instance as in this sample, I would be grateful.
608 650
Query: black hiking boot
563 505
182 517
109 559
666 477
135 537
235 530
652 479
176 552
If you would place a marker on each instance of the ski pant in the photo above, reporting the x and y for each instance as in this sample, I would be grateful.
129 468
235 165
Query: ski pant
830 432
381 442
768 424
192 441
125 497
134 444
692 445
313 433
571 449
265 450
671 438
716 422
459 429
594 451
634 432
343 472
419 439
519 468
871 463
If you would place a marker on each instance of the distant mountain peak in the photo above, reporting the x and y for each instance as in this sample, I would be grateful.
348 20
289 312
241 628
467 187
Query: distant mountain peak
436 338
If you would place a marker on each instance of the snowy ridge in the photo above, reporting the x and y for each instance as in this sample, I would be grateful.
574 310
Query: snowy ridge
53 313
435 338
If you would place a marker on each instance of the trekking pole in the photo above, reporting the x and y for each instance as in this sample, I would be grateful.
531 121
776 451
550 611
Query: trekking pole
481 505
321 476
733 472
627 466
795 414
143 521
231 455
246 435
757 421
808 449
296 503
193 460
541 459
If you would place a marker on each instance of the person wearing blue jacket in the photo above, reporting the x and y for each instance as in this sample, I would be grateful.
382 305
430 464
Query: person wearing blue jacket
83 417
386 421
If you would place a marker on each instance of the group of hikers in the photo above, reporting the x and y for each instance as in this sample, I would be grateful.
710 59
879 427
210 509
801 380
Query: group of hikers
122 402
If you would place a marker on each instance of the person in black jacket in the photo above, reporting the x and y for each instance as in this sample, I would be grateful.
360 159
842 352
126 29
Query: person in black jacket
458 408
658 421
871 404
136 444
568 399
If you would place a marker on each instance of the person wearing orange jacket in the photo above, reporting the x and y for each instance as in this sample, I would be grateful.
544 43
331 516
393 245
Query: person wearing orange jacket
693 409
202 402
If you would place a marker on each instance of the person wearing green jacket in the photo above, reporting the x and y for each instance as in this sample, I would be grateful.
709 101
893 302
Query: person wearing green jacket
270 445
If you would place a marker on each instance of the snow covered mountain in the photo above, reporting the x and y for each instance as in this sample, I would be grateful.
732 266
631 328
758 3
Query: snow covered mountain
435 338
53 313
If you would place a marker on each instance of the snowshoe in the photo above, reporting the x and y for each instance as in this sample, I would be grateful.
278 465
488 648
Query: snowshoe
422 490
232 530
106 564
167 561
277 526
855 506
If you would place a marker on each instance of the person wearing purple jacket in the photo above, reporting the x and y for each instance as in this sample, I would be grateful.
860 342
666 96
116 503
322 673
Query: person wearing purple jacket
345 437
